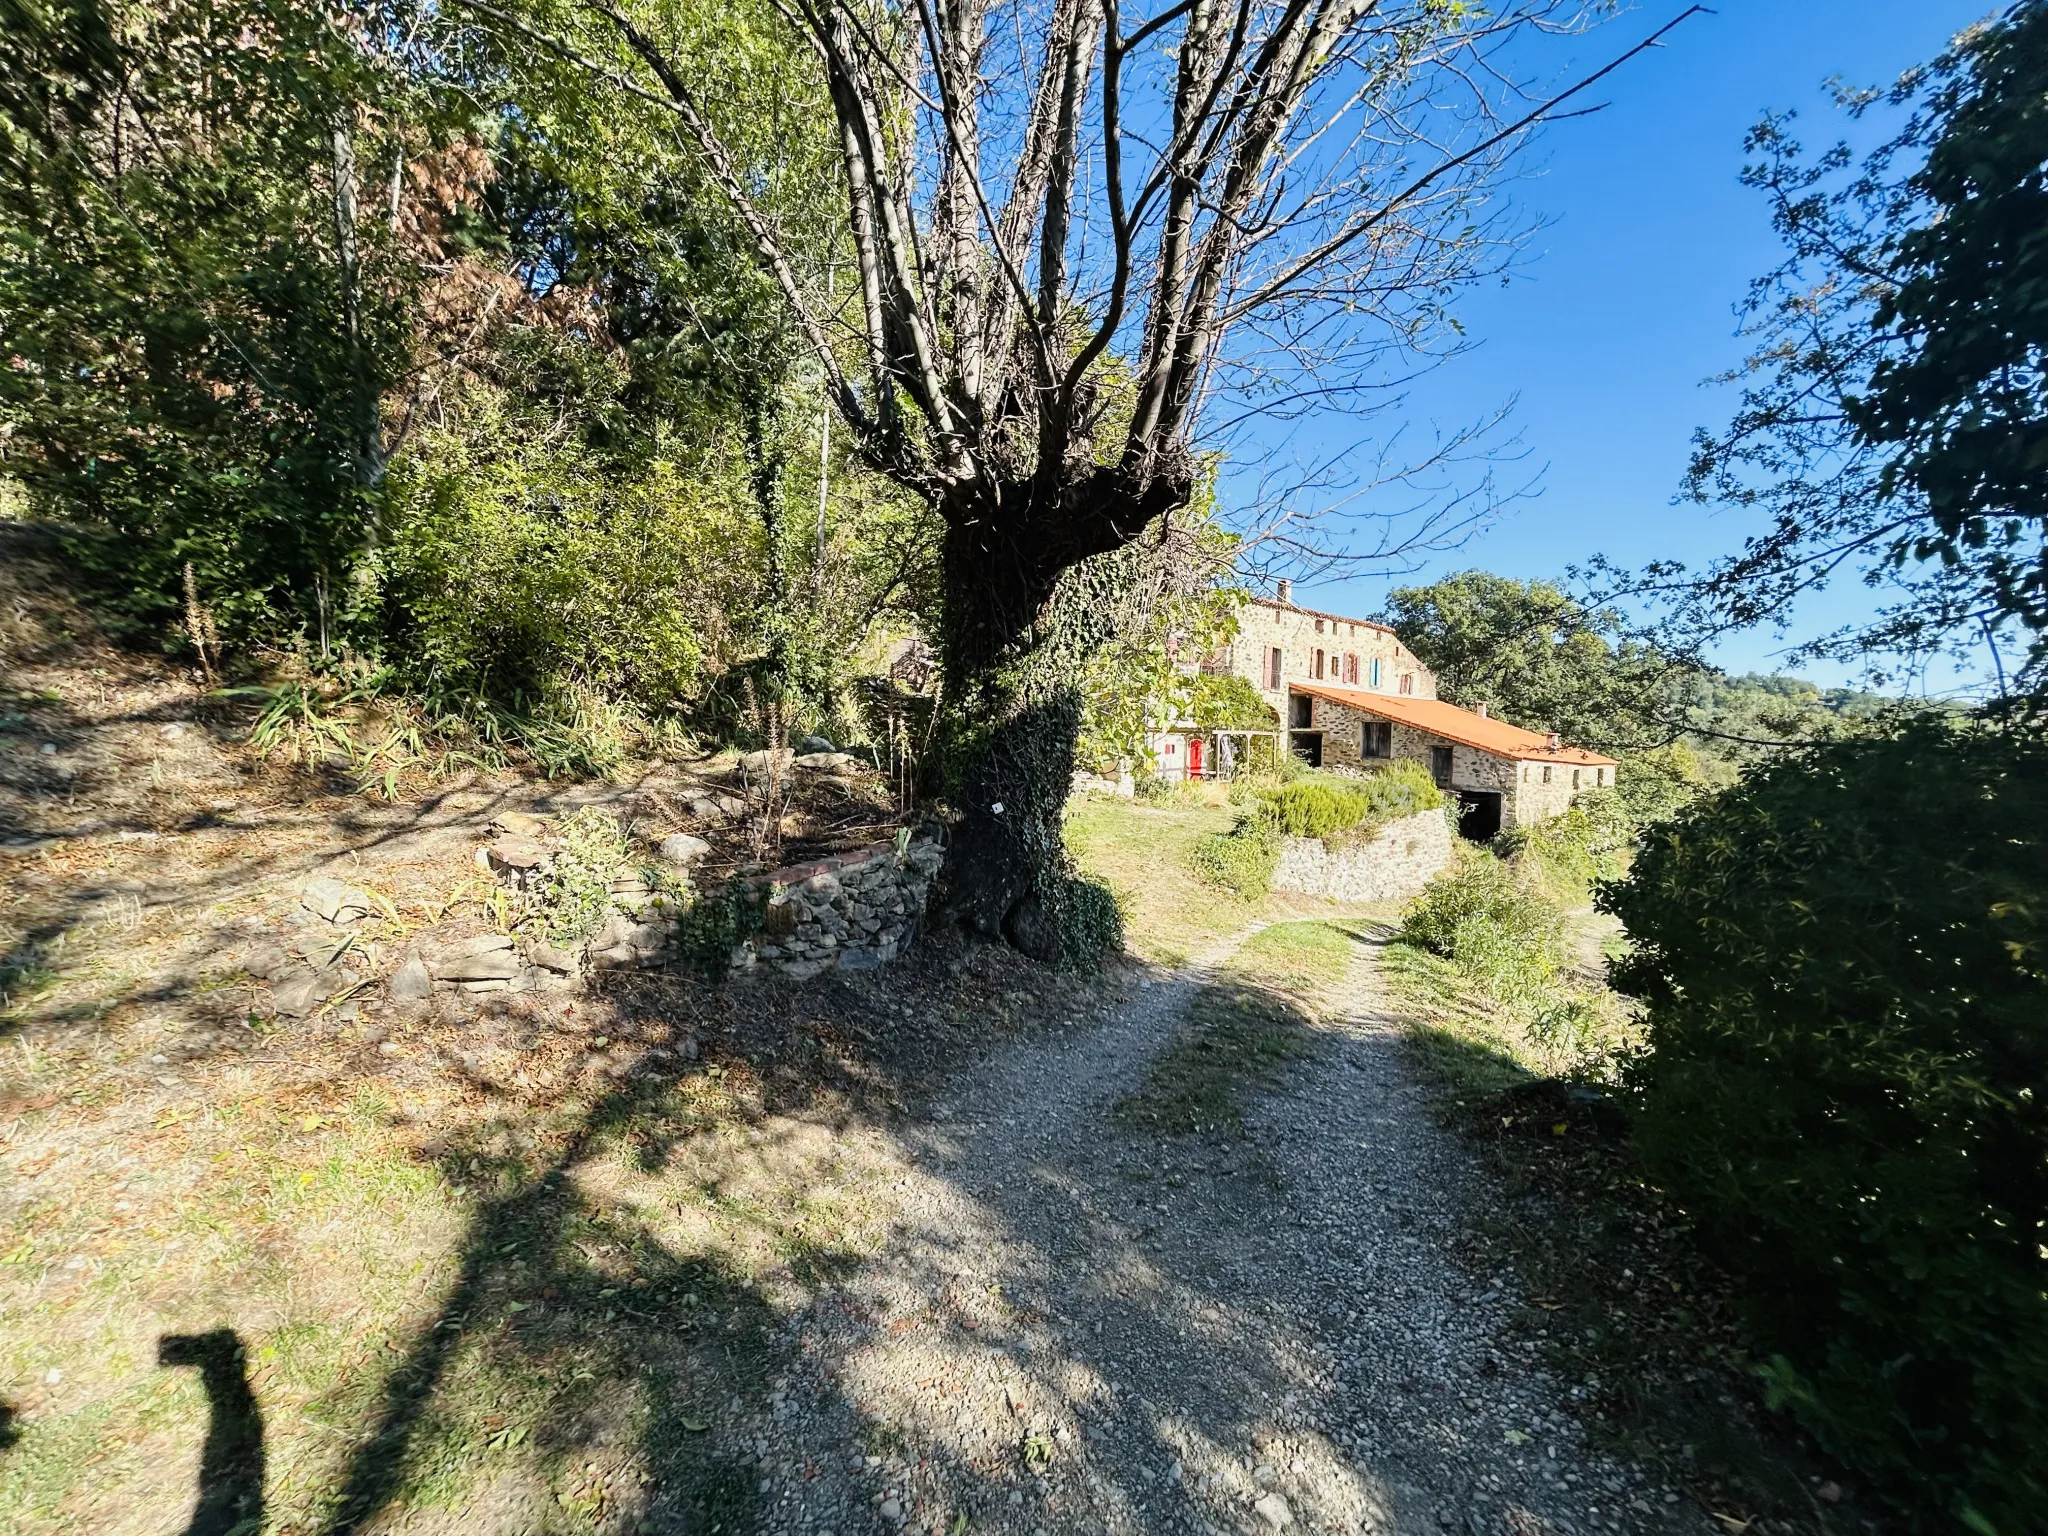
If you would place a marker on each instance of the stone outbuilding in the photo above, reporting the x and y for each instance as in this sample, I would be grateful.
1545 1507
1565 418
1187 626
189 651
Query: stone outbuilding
1503 776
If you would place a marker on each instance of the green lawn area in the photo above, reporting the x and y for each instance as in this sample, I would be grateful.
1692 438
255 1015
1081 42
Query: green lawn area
1146 855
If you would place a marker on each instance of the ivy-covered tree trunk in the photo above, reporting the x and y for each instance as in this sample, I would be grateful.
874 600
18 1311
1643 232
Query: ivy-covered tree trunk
1026 607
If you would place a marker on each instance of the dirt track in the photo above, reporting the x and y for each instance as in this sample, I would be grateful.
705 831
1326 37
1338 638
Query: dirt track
1076 1328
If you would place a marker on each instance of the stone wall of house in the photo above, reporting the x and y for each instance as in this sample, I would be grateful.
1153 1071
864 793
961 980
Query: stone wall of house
853 912
1535 799
1525 795
1392 865
1300 633
1470 767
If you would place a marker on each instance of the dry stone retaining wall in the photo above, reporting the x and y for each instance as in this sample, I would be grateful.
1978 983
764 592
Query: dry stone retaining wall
855 912
1392 865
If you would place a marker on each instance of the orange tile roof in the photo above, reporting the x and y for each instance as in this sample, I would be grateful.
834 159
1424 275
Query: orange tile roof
1459 725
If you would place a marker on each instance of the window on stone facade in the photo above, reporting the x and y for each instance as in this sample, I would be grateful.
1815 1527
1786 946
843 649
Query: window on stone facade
1440 766
1375 671
1407 682
1599 777
1319 626
1275 664
1376 738
1350 667
1575 778
1546 773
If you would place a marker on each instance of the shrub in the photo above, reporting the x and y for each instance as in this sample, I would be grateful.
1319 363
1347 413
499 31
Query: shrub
1328 808
1242 861
575 894
1844 962
519 568
1502 933
1578 848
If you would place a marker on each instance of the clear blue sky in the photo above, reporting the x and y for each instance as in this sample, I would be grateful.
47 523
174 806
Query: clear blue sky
1623 303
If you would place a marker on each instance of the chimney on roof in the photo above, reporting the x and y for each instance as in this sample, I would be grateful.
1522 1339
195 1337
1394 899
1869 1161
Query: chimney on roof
1284 590
1552 741
1481 712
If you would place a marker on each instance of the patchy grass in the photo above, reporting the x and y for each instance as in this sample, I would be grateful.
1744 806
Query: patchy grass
1244 1029
441 1301
1235 1039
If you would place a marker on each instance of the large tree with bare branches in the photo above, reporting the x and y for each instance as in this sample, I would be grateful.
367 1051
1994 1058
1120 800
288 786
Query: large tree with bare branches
1068 232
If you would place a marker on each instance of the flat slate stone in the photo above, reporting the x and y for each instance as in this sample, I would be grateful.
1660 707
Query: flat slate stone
302 994
482 944
411 982
553 958
516 853
334 901
681 848
495 965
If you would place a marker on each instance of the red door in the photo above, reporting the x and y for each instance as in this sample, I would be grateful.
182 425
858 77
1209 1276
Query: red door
1194 757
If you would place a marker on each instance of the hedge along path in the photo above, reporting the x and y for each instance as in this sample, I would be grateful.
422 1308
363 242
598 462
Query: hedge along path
1085 1324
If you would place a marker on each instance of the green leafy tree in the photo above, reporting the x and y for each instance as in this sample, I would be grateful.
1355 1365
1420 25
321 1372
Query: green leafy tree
1537 657
1842 963
199 318
1895 411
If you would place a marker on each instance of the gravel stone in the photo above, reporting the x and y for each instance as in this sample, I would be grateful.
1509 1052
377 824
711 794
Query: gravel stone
1070 1312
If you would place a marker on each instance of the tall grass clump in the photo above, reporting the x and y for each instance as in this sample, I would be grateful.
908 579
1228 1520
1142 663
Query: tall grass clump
1844 965
1495 926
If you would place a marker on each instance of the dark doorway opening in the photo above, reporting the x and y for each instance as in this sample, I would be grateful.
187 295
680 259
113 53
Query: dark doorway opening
1440 766
1308 746
1478 813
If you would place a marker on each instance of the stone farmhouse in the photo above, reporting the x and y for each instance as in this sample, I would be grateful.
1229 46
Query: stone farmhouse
1351 694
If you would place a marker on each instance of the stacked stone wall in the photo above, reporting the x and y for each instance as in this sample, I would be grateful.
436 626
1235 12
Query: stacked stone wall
853 912
1392 865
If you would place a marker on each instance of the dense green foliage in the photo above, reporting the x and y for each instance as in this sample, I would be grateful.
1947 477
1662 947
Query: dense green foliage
1576 849
1894 412
1225 701
1317 806
1484 915
1842 962
196 368
427 358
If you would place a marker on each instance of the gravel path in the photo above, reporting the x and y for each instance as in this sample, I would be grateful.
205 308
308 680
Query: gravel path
1077 1328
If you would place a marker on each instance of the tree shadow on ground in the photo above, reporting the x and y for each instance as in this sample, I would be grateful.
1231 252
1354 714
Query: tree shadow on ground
572 1339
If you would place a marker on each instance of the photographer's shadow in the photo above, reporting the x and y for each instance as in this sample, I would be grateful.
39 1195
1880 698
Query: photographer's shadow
230 1501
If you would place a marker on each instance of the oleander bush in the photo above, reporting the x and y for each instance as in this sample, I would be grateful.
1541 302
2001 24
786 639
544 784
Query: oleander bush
1844 964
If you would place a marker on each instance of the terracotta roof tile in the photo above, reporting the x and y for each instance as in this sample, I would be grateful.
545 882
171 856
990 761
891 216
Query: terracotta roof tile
1459 725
